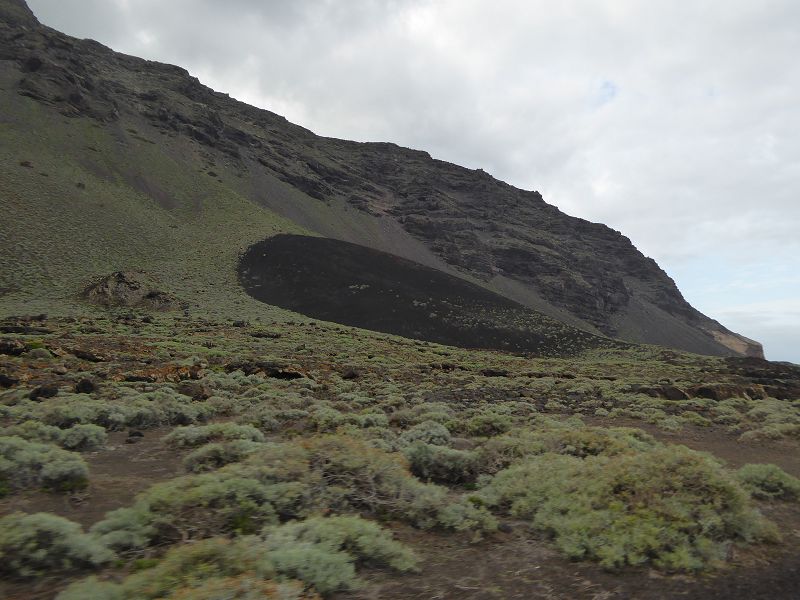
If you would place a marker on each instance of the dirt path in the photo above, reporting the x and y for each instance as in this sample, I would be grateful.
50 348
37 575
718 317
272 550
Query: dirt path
523 565
116 474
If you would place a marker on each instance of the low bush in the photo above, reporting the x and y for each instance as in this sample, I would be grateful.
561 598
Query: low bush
769 481
125 408
439 412
214 569
381 438
585 441
191 436
323 553
442 464
725 413
214 456
672 507
329 419
272 419
280 482
197 507
487 424
34 431
84 437
78 437
770 418
25 464
695 418
428 432
570 438
42 543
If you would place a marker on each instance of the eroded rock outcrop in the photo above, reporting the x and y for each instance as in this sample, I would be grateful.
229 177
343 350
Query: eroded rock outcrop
129 289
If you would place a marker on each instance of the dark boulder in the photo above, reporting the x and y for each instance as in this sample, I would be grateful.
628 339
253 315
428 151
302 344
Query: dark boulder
85 386
89 355
195 390
11 347
494 373
48 390
7 381
351 373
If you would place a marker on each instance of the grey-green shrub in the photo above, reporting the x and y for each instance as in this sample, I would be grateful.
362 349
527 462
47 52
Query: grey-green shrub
328 571
34 431
324 551
192 435
429 432
769 481
277 483
229 567
487 424
561 437
84 437
328 419
78 437
199 506
25 464
93 588
216 455
366 541
442 464
127 408
42 543
672 507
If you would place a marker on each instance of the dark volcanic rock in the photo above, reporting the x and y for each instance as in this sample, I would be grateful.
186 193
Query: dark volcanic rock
16 12
128 288
85 386
779 380
272 369
8 381
494 373
355 285
89 355
351 374
11 347
195 390
48 390
134 437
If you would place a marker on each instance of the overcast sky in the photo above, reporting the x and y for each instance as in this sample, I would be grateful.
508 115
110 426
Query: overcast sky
675 122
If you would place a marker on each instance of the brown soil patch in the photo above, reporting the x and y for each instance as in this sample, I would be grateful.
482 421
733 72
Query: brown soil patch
116 474
523 565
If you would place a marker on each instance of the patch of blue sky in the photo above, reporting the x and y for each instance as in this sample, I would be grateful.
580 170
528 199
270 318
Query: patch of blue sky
604 94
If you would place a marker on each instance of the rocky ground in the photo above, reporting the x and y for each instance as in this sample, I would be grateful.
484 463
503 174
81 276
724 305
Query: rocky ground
314 379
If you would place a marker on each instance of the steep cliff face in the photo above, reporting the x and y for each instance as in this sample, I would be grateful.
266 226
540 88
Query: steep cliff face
17 12
394 199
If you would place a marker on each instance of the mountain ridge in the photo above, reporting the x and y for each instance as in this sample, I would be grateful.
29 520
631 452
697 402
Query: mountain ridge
461 221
